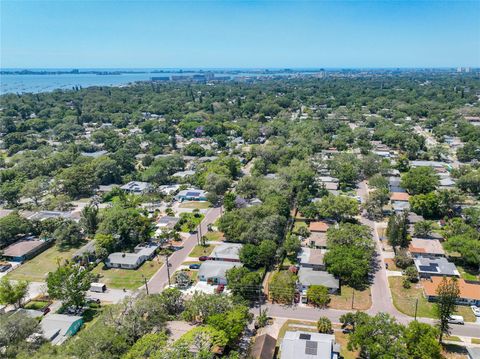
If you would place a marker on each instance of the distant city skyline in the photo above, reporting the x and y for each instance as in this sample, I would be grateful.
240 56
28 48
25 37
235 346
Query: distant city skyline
239 34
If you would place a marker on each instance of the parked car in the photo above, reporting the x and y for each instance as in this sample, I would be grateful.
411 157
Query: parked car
220 288
456 319
203 258
93 300
5 267
194 266
46 310
476 310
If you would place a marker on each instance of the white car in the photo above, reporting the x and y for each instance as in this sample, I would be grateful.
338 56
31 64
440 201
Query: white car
476 310
456 319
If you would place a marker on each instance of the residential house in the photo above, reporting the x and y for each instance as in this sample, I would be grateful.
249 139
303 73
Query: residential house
184 174
394 184
311 258
132 260
430 267
59 327
86 252
263 347
309 276
306 345
167 222
25 249
318 227
317 240
400 201
420 247
469 290
191 195
168 189
214 272
137 187
227 252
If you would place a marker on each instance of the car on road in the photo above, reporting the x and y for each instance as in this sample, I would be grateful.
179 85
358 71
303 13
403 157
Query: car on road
456 319
194 266
4 267
203 258
476 310
93 300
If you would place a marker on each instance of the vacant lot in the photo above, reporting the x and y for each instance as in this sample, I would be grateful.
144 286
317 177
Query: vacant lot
214 236
199 251
36 269
362 300
126 278
195 204
404 301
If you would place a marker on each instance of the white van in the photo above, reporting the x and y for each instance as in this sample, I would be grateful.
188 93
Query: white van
456 319
98 287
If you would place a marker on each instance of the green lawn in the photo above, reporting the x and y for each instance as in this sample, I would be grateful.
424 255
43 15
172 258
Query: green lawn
362 300
199 251
195 204
299 224
190 218
404 301
36 269
126 278
214 236
36 304
468 273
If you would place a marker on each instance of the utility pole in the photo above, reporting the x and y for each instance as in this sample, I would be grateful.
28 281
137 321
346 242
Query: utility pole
260 300
146 284
416 307
353 296
168 271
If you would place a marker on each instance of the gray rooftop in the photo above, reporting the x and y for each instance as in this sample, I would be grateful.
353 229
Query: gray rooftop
211 269
308 276
55 326
306 345
436 266
227 251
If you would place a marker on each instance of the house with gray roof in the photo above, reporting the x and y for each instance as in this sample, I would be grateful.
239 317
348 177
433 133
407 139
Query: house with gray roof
311 258
191 194
59 327
132 260
309 276
428 267
306 345
227 252
214 272
137 187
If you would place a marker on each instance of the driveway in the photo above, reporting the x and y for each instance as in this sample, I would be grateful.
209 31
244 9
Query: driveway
160 279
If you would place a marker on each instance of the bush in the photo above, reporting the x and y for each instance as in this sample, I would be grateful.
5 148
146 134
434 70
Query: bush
402 259
412 274
324 325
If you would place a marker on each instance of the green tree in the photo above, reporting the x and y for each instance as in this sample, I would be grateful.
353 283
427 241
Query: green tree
151 345
379 337
263 255
421 341
447 295
339 208
351 264
15 329
12 293
282 287
324 325
35 189
90 219
68 233
397 230
232 323
11 226
292 245
78 180
244 283
69 284
426 205
423 229
420 180
318 295
10 192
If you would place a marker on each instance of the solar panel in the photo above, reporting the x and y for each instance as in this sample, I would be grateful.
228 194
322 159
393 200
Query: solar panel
192 194
305 336
311 347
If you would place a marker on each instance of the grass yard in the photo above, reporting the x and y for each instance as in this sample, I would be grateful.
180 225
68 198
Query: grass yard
468 273
126 278
195 204
391 265
404 301
454 351
187 218
299 224
292 324
214 236
36 304
362 300
36 269
199 250
342 339
475 341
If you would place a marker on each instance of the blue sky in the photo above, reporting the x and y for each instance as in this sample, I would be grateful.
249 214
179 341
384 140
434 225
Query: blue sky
239 33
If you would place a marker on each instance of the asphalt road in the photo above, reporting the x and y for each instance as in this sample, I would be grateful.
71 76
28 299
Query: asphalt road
160 279
380 290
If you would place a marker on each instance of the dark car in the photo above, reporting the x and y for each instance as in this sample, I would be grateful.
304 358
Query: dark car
203 258
46 310
194 266
5 267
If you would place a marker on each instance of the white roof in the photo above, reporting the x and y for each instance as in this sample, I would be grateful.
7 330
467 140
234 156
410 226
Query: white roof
215 269
306 345
227 251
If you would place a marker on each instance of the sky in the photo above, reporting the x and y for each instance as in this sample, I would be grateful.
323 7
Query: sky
239 34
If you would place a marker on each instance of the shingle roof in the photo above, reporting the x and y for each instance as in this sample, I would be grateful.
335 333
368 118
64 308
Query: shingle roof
308 276
429 246
22 248
468 290
436 266
319 226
